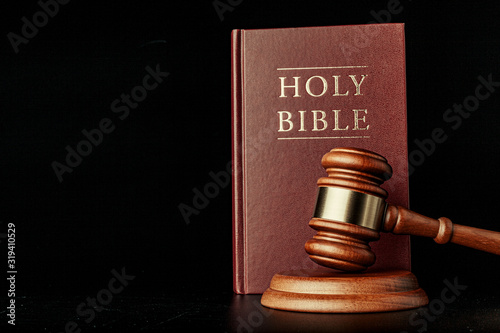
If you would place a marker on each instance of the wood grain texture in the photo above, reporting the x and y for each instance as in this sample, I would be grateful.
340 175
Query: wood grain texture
400 220
325 291
341 245
356 169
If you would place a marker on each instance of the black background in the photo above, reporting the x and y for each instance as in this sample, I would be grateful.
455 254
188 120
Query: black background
119 207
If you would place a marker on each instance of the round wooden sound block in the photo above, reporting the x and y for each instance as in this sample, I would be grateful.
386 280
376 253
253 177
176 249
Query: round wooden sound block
328 291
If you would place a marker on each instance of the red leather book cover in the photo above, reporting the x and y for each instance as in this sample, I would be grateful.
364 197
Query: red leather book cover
296 94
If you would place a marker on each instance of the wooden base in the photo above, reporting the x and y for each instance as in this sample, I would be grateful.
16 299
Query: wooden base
327 291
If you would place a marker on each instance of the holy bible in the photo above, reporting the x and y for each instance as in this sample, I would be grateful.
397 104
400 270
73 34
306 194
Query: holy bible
296 94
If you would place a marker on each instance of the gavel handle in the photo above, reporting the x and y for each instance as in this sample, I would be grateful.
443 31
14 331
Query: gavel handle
399 220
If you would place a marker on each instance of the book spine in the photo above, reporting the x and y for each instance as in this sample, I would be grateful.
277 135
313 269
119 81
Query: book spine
237 164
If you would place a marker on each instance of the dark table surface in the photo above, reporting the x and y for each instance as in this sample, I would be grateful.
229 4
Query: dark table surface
228 312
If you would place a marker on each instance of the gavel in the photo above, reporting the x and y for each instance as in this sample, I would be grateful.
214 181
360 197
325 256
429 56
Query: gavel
351 211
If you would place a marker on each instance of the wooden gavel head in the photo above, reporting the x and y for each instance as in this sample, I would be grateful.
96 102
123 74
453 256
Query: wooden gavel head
350 209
